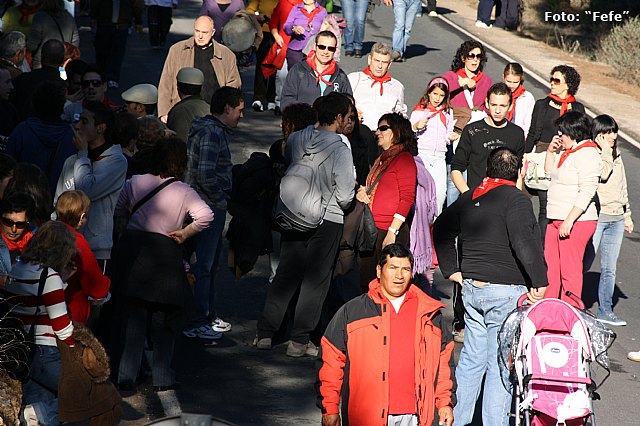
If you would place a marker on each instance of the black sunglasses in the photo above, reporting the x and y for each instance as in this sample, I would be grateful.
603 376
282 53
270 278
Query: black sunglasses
383 128
474 55
10 223
94 83
323 47
555 80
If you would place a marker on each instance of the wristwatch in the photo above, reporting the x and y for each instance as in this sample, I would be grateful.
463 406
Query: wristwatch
394 230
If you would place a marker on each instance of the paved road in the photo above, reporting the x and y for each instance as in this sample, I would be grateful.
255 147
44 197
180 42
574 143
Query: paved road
236 382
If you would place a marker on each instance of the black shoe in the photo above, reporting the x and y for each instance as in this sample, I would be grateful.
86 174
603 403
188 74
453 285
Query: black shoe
348 52
277 111
358 53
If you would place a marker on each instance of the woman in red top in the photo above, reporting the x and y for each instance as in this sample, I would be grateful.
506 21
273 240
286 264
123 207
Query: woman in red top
391 188
88 286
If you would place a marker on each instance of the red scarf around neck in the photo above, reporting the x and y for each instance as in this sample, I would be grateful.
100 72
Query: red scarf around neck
563 102
20 244
488 184
439 111
586 144
310 15
462 74
26 12
385 78
328 70
514 96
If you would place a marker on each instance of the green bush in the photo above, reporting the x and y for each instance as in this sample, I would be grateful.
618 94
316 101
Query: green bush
619 49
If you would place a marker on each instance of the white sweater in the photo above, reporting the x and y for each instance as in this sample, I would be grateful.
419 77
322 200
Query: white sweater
371 103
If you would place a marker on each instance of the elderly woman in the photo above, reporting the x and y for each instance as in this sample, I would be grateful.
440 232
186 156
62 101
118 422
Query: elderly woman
391 188
573 161
148 267
38 280
564 81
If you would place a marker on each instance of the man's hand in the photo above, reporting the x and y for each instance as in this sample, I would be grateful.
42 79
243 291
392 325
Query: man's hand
331 420
445 415
536 294
80 142
456 277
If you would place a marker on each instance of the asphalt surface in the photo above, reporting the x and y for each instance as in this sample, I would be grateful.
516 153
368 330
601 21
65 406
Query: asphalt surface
232 380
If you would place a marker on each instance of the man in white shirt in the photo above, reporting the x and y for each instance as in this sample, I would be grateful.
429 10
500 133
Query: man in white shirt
375 92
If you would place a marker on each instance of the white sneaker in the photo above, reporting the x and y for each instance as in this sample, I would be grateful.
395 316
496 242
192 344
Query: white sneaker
481 24
271 106
220 325
433 13
257 106
202 332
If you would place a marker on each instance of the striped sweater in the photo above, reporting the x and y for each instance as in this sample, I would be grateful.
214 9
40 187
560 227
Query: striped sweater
21 291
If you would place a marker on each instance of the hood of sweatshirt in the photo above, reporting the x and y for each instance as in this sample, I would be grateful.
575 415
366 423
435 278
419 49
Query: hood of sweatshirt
47 133
314 141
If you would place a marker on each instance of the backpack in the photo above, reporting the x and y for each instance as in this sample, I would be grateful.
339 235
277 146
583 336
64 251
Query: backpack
300 205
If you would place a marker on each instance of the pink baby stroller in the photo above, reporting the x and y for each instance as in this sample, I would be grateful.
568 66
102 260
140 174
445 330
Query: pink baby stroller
547 350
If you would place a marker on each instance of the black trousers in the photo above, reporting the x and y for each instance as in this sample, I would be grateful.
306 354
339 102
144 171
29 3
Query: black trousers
110 43
264 90
306 261
159 19
508 15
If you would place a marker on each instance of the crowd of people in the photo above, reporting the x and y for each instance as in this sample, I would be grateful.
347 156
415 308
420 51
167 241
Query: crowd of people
113 216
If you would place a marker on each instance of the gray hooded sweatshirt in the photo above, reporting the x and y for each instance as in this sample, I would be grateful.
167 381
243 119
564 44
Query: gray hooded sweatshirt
335 167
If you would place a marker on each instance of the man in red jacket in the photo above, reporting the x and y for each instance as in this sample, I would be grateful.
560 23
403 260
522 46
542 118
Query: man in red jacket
387 354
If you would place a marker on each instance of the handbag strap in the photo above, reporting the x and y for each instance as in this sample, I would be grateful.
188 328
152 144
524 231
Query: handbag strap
151 194
41 283
375 182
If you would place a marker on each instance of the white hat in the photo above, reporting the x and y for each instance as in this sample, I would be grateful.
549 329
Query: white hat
146 94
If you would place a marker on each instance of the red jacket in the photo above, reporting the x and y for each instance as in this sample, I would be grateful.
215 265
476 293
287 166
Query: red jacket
276 55
87 281
396 191
355 360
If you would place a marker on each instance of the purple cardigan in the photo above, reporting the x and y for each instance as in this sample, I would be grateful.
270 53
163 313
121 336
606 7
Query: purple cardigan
296 17
479 95
220 18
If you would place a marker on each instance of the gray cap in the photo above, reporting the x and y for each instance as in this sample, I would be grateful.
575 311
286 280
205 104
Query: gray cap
146 94
191 76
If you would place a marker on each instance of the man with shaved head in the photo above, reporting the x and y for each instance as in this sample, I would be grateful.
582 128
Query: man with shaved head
217 63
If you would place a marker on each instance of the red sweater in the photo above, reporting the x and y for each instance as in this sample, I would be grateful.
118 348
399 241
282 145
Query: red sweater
396 191
87 281
402 398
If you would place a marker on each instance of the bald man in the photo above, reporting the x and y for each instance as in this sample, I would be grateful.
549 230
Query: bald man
217 63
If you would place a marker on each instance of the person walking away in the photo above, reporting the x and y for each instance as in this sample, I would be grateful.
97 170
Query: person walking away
355 13
159 13
404 15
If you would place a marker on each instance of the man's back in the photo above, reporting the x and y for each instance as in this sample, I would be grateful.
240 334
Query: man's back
25 85
182 114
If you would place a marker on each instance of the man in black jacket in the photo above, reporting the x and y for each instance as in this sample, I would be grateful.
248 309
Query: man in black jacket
500 258
317 76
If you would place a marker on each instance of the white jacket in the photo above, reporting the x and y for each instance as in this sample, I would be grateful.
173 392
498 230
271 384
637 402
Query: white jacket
371 103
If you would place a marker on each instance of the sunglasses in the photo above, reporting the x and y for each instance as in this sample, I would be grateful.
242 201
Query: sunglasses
474 56
383 128
323 47
10 223
554 80
94 83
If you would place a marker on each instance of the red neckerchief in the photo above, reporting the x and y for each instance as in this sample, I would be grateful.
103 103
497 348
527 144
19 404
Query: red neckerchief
488 184
462 74
563 102
439 111
587 144
385 78
515 95
18 245
310 15
105 101
26 12
328 70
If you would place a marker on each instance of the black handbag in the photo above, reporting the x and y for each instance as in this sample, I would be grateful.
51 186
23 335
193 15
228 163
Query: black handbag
367 241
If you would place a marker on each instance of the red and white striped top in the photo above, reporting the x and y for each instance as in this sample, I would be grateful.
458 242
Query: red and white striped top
22 290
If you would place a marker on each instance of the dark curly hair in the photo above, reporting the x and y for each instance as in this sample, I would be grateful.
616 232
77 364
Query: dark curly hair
571 77
463 51
169 158
402 131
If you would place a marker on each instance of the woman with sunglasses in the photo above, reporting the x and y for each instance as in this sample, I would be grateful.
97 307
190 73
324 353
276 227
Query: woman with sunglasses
573 162
391 188
15 209
303 23
565 81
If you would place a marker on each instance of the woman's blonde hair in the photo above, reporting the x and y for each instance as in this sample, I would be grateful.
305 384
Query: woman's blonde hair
71 205
53 245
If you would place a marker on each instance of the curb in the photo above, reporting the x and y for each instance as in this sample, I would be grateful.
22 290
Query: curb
590 112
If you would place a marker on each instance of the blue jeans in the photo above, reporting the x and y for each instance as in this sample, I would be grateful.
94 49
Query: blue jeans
608 237
486 308
484 11
452 191
355 13
45 368
208 250
404 14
